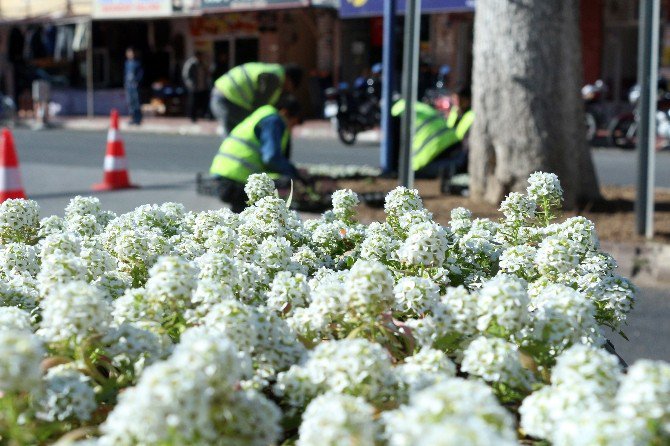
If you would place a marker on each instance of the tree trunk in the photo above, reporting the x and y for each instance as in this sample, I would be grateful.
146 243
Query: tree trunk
527 101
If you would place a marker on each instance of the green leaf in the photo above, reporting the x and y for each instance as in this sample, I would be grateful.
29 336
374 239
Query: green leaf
289 199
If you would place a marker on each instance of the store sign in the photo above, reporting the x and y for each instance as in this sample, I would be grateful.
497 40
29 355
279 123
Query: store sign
367 8
251 4
131 8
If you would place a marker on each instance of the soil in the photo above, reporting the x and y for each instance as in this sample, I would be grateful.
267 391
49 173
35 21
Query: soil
614 216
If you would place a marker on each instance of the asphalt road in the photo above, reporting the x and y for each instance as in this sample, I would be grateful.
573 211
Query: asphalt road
58 164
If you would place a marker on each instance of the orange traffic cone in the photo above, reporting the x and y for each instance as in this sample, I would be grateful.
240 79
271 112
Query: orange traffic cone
10 176
116 166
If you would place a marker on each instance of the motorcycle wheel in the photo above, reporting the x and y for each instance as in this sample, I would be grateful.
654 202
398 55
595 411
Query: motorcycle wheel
591 127
622 132
347 136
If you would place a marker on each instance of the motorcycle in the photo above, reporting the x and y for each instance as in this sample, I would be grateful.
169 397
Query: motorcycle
354 110
622 129
592 95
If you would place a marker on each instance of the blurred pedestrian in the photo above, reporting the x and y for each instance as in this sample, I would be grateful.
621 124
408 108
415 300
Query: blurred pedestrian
133 74
195 76
245 88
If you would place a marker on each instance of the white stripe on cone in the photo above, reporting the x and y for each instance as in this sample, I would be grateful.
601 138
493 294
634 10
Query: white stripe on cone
10 178
115 163
112 135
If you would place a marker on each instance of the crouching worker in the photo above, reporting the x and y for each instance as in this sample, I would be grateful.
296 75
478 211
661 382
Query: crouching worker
260 143
439 144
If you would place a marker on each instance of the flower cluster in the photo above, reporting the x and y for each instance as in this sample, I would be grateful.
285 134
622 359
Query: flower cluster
162 326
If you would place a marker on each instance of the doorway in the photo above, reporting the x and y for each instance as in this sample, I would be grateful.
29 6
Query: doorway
234 51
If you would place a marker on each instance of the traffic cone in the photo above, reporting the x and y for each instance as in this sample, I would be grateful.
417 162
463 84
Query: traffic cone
116 166
10 176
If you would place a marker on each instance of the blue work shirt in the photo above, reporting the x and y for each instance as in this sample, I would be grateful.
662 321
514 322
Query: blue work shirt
133 73
269 132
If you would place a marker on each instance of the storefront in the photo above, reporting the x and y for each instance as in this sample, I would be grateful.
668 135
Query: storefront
233 32
446 37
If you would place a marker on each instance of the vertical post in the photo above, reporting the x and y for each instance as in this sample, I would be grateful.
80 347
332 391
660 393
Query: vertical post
89 71
388 81
410 69
648 79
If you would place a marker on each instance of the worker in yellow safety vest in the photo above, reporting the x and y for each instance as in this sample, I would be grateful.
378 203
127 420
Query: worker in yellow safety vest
245 88
438 142
260 143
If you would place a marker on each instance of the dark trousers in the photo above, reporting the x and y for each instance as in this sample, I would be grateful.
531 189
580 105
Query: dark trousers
228 114
196 104
134 106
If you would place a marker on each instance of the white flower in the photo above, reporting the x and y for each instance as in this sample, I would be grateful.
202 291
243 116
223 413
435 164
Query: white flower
344 204
130 347
518 208
259 185
423 369
369 288
561 317
585 364
401 200
19 221
543 187
13 318
21 354
354 367
446 405
72 312
644 398
415 295
519 260
335 420
425 245
68 395
503 304
18 258
461 220
288 292
497 362
171 284
379 243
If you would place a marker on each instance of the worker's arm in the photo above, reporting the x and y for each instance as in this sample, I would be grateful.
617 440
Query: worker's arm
268 84
270 131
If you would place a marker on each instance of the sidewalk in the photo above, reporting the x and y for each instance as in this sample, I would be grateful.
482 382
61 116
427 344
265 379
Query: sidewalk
311 129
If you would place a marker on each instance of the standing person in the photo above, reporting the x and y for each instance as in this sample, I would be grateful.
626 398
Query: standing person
260 143
245 88
195 77
133 74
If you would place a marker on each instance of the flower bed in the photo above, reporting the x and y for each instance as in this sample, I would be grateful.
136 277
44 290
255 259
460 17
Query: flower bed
164 327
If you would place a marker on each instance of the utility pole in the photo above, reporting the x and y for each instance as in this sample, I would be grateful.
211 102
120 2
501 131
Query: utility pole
410 68
388 81
650 11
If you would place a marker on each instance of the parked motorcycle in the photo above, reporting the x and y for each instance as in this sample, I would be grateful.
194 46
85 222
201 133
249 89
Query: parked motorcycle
593 95
354 109
622 129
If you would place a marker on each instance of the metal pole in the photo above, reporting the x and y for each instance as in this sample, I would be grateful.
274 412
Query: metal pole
410 68
647 78
89 71
388 81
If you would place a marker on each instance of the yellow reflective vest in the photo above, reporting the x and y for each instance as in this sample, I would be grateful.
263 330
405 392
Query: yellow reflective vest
432 133
240 153
240 84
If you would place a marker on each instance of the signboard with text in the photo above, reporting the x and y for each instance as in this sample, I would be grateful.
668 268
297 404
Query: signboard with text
368 8
131 8
251 4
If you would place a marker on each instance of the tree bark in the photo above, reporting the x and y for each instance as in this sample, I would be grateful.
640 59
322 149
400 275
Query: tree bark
527 102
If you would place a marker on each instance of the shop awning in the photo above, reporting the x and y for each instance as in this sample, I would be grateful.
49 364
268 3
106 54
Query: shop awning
372 8
14 10
223 5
